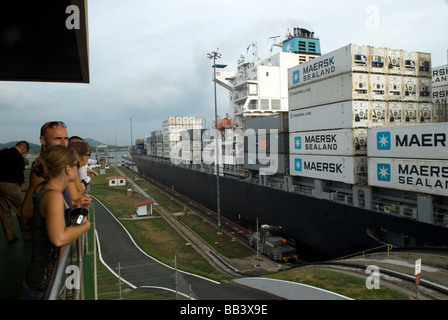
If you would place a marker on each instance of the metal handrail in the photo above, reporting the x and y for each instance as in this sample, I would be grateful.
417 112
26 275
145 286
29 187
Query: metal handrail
389 247
71 255
67 281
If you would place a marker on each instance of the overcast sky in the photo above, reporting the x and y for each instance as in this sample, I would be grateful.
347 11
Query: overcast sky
148 59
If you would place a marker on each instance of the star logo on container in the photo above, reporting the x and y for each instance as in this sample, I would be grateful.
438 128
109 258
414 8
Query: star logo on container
298 143
383 140
296 77
298 164
383 170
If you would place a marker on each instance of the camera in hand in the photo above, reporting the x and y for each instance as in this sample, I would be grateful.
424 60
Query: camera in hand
75 216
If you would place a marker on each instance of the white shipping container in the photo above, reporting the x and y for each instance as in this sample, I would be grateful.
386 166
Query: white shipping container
417 64
439 76
426 113
343 115
378 86
395 113
394 87
410 89
394 61
439 95
424 89
349 86
379 114
350 58
410 113
440 112
417 175
346 142
351 170
377 58
421 141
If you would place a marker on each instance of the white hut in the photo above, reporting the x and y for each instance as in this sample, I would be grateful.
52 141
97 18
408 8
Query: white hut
142 207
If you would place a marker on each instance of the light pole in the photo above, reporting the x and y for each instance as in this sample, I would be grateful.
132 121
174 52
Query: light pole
132 161
216 55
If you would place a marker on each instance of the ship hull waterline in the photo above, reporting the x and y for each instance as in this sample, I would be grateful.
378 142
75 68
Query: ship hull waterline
330 228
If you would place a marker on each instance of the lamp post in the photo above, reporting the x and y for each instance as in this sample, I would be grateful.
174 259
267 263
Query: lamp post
216 55
132 161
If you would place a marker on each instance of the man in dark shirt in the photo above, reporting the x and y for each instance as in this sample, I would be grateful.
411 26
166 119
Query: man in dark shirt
12 167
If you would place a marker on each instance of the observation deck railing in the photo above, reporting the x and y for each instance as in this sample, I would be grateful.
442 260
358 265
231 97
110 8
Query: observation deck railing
68 281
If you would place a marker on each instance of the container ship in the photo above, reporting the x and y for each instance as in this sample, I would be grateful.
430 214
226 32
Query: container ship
344 151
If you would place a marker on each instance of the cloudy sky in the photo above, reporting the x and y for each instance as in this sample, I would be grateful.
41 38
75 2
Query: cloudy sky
148 59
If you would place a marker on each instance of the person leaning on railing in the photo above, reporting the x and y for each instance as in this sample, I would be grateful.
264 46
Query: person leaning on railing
58 166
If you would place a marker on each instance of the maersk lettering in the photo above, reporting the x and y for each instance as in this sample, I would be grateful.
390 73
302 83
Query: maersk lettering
322 166
318 69
324 146
423 140
423 170
319 138
421 182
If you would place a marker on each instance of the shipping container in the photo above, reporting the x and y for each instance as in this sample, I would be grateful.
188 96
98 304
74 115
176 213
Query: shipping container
343 115
377 57
439 76
378 85
439 95
379 114
350 58
275 165
394 87
416 64
440 112
417 175
395 113
267 142
410 89
423 141
278 121
424 89
349 86
351 170
426 113
410 113
394 61
346 142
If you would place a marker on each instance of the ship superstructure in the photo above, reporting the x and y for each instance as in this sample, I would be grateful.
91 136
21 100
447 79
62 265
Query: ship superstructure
344 151
260 87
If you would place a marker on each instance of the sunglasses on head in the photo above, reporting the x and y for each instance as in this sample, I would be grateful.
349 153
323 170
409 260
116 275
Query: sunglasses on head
51 124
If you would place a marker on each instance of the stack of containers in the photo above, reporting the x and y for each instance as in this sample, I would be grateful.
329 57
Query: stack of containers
440 92
151 142
260 134
192 145
411 158
172 128
334 98
140 146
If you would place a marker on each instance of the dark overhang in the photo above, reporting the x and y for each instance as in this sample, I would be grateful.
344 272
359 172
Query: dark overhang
37 45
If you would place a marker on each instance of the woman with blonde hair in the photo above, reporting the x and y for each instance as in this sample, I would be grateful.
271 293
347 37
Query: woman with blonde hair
58 166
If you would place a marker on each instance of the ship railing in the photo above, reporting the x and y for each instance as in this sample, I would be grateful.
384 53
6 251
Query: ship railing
440 219
363 253
304 190
67 282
